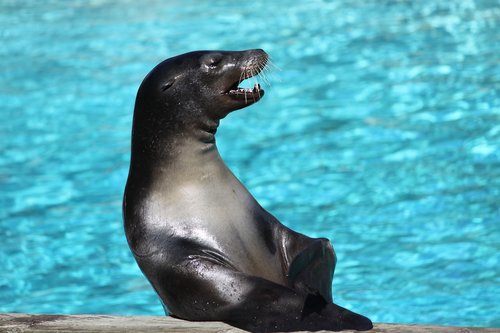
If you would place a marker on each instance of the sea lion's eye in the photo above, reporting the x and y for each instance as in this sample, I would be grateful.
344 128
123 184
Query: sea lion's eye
167 85
211 60
214 62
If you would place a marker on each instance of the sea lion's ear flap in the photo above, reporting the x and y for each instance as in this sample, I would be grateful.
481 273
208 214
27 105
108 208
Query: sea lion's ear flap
167 84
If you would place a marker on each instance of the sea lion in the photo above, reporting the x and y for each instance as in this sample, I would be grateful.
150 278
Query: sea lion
210 251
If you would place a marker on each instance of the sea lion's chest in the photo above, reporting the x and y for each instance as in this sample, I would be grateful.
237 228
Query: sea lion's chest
223 218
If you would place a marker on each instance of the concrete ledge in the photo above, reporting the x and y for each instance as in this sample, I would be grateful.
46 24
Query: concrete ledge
20 323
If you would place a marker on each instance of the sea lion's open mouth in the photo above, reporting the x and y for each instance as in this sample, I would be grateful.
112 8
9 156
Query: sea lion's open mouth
254 93
252 68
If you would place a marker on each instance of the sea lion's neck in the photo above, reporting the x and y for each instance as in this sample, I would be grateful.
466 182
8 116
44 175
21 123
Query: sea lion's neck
155 140
205 131
189 153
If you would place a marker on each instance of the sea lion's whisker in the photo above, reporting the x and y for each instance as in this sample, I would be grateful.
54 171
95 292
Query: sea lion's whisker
262 74
272 65
245 91
254 73
242 75
271 71
257 85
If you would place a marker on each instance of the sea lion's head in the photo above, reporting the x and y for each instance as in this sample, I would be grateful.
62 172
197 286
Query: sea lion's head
200 84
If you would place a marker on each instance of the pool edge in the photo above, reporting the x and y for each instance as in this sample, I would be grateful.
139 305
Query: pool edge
26 323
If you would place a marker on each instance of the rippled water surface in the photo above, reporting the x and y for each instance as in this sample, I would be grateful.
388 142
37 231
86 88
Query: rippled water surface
381 131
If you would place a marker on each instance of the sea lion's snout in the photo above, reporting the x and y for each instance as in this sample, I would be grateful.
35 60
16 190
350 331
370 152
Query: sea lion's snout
254 61
250 65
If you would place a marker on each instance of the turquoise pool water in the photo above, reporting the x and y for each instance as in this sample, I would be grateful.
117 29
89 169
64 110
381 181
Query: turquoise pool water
381 131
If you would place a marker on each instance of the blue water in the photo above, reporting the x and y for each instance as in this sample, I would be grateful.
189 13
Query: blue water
381 131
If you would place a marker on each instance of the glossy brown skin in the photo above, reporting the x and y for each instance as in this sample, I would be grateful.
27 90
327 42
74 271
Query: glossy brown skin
208 248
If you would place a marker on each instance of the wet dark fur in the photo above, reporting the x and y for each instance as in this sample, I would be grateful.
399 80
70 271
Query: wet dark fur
208 248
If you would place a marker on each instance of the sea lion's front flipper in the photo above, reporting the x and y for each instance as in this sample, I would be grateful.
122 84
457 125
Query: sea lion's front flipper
311 270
